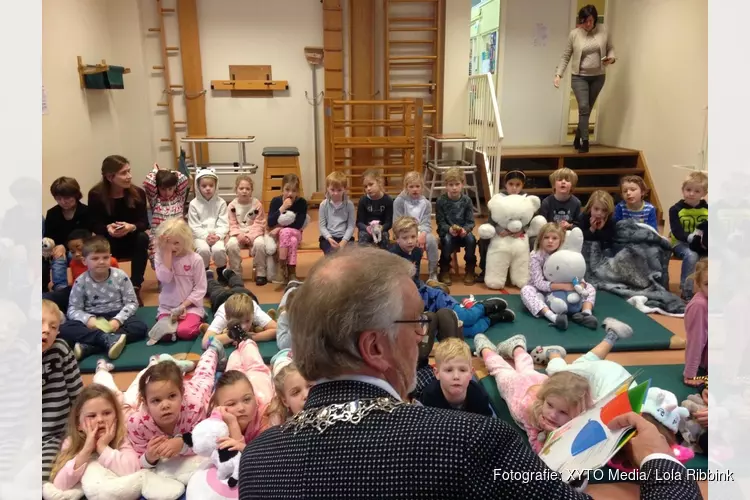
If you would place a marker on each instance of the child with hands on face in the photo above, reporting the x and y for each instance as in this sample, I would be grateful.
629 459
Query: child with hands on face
596 221
95 429
179 269
290 235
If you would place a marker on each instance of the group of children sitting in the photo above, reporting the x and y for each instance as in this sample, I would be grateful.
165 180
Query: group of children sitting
137 428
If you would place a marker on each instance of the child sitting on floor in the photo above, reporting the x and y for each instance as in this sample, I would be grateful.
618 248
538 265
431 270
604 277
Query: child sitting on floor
696 328
412 202
550 239
77 265
374 211
454 212
247 228
633 206
96 431
102 306
406 232
562 207
336 215
454 388
596 221
160 407
286 217
242 395
166 191
208 219
236 319
291 389
61 385
179 269
685 219
61 221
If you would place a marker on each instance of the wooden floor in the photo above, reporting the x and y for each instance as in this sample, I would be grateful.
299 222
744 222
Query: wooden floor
271 294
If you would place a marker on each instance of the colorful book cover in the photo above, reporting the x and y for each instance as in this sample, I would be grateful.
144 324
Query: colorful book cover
586 442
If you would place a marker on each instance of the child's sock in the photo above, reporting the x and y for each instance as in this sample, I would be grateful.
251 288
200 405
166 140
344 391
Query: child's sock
611 338
550 316
586 312
616 330
103 364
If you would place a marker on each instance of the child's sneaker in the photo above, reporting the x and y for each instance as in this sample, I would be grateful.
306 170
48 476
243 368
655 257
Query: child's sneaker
116 343
587 320
506 316
482 342
494 305
622 330
540 354
227 274
81 351
209 275
506 347
469 277
217 346
103 364
448 324
433 276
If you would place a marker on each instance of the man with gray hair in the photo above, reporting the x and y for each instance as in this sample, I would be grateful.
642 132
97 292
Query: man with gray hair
357 322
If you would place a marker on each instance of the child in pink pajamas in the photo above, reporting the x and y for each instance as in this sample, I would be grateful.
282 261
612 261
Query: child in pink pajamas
550 239
242 395
538 403
160 407
180 271
289 231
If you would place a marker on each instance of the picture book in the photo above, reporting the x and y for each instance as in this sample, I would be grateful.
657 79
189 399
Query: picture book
586 442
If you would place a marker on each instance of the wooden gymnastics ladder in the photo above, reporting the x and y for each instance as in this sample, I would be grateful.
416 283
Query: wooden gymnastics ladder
413 60
169 88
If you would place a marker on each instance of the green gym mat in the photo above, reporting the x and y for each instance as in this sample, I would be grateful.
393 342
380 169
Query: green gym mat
135 356
667 377
648 334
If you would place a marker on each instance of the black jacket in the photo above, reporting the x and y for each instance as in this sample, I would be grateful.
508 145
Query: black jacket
411 452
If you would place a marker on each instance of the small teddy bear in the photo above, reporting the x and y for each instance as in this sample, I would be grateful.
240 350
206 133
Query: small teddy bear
47 246
377 231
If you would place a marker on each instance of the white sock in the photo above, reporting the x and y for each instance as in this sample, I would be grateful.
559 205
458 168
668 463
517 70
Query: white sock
587 312
550 316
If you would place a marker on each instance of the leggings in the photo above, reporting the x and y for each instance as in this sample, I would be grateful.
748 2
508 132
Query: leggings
534 300
188 327
290 239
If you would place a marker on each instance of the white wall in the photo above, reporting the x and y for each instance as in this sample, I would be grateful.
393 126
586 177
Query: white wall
656 93
531 108
455 96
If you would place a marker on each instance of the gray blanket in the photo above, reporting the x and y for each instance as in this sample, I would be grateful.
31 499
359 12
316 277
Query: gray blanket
638 264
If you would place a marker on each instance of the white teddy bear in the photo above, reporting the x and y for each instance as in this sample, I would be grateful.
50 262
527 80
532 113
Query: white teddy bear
510 213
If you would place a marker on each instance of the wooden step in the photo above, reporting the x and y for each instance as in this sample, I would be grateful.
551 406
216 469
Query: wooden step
577 190
154 30
162 104
411 41
564 151
158 66
396 64
172 49
411 19
420 28
167 11
415 57
588 171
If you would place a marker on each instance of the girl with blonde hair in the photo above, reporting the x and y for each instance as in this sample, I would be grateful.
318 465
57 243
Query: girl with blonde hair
696 328
597 220
95 431
180 271
551 237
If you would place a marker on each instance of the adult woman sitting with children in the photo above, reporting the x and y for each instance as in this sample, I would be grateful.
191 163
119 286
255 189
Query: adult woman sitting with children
118 212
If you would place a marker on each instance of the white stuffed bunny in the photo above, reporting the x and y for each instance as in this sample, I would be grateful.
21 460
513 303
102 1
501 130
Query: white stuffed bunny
377 231
567 265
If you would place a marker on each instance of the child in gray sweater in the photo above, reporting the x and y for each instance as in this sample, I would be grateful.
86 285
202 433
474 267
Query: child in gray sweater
102 306
336 214
413 203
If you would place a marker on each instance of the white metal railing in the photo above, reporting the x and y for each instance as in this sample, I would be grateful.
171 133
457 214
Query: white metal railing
485 125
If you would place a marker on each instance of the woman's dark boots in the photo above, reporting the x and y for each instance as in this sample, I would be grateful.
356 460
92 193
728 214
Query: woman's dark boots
577 140
584 147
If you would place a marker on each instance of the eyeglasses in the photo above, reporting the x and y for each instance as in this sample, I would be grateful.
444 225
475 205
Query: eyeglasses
423 320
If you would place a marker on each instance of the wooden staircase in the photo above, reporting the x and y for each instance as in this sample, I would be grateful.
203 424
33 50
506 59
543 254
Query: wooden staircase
601 168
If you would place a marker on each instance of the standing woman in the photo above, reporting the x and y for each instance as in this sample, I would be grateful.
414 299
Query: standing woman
118 212
591 51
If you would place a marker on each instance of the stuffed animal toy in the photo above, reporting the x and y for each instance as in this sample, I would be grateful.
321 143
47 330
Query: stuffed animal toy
377 231
100 483
219 480
185 365
287 218
47 246
512 213
164 329
566 266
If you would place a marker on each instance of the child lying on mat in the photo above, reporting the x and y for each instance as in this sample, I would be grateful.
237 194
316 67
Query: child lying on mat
242 395
291 389
237 319
454 388
475 316
160 407
540 403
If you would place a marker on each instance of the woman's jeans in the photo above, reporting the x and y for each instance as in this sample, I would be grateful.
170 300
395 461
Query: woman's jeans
586 90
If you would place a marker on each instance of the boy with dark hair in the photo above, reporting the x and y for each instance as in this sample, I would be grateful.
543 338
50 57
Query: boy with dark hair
102 306
67 216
